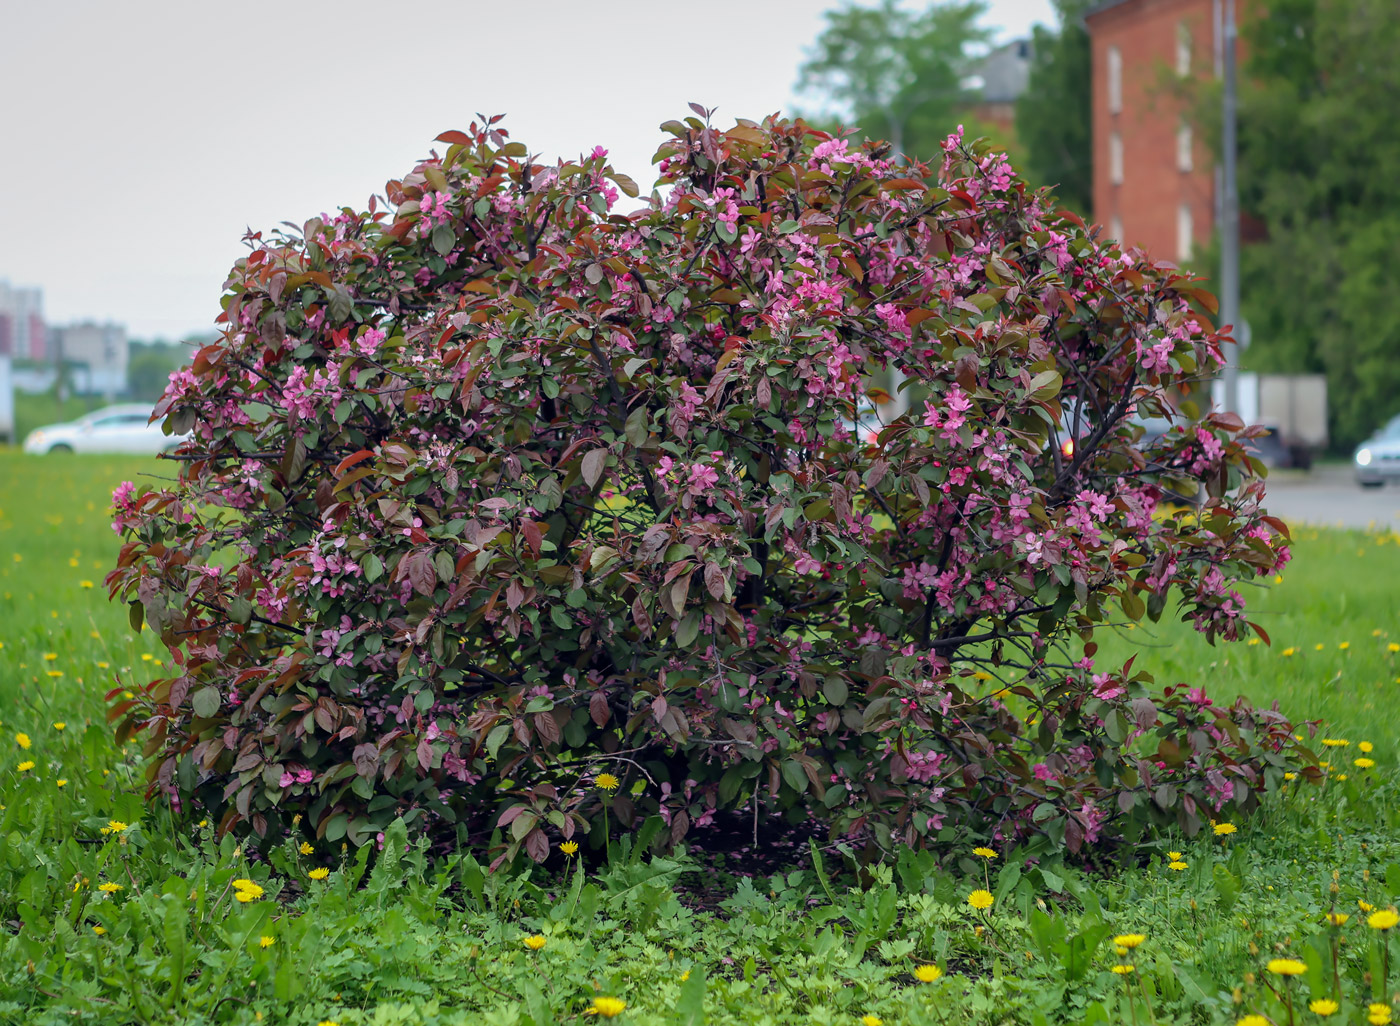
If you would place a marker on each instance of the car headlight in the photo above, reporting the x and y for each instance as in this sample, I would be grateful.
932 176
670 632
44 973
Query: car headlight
1363 457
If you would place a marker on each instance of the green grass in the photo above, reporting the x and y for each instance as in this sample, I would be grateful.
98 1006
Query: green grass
390 937
1339 593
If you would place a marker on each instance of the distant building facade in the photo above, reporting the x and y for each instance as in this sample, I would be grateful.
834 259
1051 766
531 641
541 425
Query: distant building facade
22 331
96 357
998 79
1155 183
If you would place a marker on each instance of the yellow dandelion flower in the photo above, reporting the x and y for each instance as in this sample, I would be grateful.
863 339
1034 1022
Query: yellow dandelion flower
1129 940
1290 776
1323 1006
535 942
25 766
109 888
1337 918
607 1007
1289 651
1253 1020
569 847
1365 906
1173 856
146 657
1363 762
85 584
104 666
54 673
1286 967
927 973
607 782
50 657
1319 647
246 891
980 900
1221 829
1383 920
1122 970
1344 645
266 942
116 826
685 976
1366 747
871 1020
986 853
62 781
1178 865
1378 1014
1254 641
60 725
23 741
1393 647
1335 742
328 1022
306 848
99 930
319 874
1341 776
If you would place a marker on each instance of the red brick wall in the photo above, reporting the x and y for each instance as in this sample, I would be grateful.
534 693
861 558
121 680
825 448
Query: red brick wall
1153 187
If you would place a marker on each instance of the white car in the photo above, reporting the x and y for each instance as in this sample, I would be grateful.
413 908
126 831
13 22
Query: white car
1377 460
124 428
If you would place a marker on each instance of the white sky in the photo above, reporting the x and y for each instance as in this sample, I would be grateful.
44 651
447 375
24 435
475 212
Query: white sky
142 138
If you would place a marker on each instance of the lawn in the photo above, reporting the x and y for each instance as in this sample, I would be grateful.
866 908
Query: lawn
115 913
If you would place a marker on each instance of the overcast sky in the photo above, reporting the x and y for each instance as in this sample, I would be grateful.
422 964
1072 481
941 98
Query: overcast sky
141 139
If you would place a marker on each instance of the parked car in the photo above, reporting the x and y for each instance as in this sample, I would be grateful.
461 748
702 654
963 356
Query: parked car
1377 460
1271 450
123 428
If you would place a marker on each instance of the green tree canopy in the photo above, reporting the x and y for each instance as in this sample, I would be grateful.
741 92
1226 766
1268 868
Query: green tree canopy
897 74
1053 120
1320 168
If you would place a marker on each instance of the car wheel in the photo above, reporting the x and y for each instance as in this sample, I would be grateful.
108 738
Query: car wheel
61 447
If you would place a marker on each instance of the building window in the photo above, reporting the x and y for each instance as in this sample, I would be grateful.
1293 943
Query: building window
1115 80
1183 49
1184 158
1115 228
1185 232
1115 158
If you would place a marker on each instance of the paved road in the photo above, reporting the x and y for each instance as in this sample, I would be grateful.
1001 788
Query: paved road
1330 496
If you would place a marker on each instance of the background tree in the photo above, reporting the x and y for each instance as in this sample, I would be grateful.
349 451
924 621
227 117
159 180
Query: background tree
149 366
897 74
1053 121
1319 152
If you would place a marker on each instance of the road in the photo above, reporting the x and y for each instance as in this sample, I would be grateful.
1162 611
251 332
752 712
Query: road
1330 496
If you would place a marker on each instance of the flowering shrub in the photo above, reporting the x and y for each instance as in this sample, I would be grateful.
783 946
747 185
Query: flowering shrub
519 516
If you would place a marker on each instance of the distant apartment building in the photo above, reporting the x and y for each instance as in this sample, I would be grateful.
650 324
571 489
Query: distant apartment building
997 80
22 331
1155 183
95 357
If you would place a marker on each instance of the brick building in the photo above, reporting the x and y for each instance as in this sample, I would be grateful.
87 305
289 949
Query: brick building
1155 183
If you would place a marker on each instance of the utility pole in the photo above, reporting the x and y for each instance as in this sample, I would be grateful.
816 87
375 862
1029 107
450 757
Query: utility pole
1230 218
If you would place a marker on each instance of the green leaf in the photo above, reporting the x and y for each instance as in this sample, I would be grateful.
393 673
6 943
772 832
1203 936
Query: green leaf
443 239
690 1004
205 702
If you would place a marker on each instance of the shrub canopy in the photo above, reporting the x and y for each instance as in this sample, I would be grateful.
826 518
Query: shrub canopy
498 497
